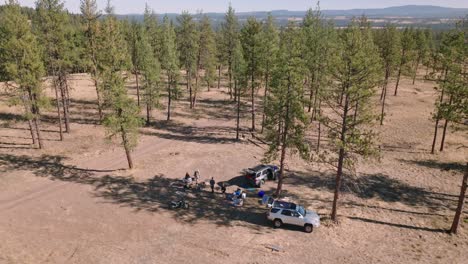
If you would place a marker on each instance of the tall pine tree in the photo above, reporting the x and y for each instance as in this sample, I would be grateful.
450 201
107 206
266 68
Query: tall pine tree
356 71
286 118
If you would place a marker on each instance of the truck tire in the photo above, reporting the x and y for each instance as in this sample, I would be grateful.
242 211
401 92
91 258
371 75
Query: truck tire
308 228
277 223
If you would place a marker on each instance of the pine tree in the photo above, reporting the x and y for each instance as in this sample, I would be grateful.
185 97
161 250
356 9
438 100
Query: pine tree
270 45
313 36
187 44
286 119
22 64
252 47
461 202
91 14
406 55
207 52
459 108
134 39
454 107
421 49
356 71
151 68
220 55
123 119
230 35
153 31
388 42
239 69
51 25
169 62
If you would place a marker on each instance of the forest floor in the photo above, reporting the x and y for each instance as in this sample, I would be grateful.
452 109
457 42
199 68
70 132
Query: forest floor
75 202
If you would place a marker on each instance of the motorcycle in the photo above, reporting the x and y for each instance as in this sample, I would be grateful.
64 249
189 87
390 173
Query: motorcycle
180 203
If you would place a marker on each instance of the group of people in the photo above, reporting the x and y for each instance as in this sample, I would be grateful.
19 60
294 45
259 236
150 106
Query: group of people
236 197
190 181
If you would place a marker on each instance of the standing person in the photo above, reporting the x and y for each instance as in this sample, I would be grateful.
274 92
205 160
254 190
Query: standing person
196 176
212 184
223 188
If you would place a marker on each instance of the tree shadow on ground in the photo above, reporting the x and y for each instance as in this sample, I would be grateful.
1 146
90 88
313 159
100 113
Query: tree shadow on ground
366 220
433 164
205 135
368 186
152 195
382 187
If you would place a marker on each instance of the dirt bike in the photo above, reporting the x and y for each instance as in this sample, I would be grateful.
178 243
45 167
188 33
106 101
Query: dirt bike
179 204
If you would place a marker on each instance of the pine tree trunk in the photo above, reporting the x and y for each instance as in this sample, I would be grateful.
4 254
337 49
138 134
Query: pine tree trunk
416 71
137 88
311 88
339 173
230 75
38 132
279 187
238 109
398 81
253 101
127 149
148 114
284 138
64 102
189 87
461 202
342 95
35 111
196 91
31 130
169 97
319 138
442 143
434 141
219 76
27 113
382 115
98 95
385 84
314 110
265 101
58 109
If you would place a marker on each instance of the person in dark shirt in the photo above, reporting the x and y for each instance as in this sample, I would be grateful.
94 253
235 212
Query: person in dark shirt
223 188
212 184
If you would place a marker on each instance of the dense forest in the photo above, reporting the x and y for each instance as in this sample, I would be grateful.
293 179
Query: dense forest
309 75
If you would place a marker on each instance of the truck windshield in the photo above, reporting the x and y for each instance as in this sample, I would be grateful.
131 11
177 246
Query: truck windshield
301 210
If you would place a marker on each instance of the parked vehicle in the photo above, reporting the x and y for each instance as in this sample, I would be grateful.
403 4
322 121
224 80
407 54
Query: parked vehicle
182 203
282 213
258 175
179 204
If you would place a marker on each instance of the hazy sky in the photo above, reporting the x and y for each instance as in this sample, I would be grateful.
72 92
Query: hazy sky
176 6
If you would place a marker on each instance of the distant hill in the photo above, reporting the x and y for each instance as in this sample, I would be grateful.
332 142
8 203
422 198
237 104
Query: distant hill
415 11
416 15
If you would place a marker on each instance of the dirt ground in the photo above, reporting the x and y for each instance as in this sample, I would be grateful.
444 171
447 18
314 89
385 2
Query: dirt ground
74 201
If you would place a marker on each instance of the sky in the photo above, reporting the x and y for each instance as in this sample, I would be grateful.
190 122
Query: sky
177 6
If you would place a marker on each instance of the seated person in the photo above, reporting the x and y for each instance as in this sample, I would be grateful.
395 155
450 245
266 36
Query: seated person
187 180
238 193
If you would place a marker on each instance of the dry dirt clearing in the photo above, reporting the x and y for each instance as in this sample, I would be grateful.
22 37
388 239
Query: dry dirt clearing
74 202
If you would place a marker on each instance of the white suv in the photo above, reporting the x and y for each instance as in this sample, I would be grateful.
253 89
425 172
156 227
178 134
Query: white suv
292 214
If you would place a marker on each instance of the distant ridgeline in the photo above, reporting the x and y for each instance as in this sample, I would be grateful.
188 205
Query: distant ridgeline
434 17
